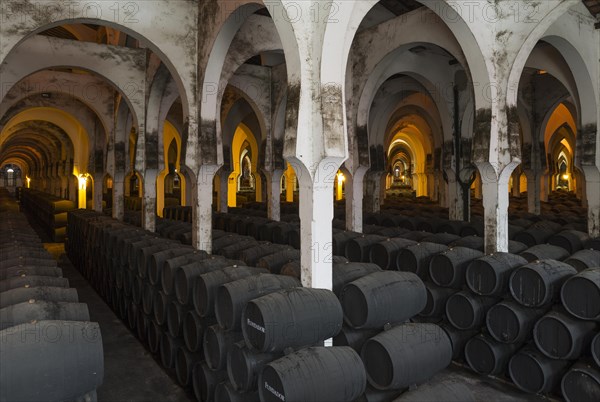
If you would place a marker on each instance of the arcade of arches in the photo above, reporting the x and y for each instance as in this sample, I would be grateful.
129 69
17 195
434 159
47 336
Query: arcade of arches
216 104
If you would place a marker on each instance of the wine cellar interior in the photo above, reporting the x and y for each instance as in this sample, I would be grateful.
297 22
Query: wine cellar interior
300 201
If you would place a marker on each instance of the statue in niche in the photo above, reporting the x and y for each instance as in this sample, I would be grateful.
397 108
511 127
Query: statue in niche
246 178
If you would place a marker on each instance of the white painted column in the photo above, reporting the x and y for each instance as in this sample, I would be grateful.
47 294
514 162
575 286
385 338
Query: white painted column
316 215
355 185
273 186
202 208
118 207
495 204
149 200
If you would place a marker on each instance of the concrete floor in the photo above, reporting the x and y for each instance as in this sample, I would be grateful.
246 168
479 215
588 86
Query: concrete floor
130 371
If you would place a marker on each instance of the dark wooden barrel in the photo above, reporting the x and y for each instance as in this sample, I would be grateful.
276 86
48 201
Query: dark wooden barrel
448 269
232 297
206 285
39 310
441 238
344 273
184 362
570 240
581 383
545 252
584 259
244 365
226 392
313 375
274 262
186 276
466 310
355 338
32 281
538 284
30 270
580 294
510 322
157 261
168 350
193 330
447 390
385 253
383 297
535 235
487 356
560 336
535 373
489 275
160 306
436 300
341 239
175 314
155 333
596 349
46 293
416 258
358 249
63 350
405 355
458 338
205 380
291 318
217 343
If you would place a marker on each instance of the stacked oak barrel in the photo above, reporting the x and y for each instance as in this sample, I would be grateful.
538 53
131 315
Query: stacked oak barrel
49 211
49 350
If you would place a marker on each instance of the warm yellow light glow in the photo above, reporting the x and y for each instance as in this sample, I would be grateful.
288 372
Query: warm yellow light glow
341 178
82 182
28 181
542 72
565 177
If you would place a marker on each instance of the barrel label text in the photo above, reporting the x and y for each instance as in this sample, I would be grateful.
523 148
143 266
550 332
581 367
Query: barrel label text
255 325
274 391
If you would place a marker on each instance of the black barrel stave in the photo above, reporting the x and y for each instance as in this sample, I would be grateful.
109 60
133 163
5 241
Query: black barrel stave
313 375
383 297
405 355
538 284
489 275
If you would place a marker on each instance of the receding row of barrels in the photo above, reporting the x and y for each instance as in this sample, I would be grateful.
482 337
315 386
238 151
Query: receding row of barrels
244 333
49 349
49 211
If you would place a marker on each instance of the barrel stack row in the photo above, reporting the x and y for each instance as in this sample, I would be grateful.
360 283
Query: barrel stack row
49 211
187 307
502 306
49 349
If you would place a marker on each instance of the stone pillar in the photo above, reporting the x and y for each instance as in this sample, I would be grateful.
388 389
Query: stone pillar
516 188
202 208
546 186
223 178
273 186
290 184
495 204
354 199
373 190
592 194
149 200
533 191
316 215
98 181
118 208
